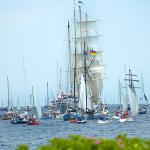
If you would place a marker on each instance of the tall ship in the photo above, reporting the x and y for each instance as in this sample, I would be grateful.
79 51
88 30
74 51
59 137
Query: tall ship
86 68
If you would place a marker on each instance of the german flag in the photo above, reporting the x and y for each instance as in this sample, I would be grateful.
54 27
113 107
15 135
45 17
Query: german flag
92 52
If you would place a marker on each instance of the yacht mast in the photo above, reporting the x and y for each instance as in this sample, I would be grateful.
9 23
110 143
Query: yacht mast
47 94
33 97
70 54
8 93
119 92
85 72
75 63
82 51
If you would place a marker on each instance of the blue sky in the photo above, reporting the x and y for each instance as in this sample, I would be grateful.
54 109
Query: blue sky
37 31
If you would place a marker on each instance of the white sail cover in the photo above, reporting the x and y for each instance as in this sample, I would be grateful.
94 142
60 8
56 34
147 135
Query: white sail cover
133 99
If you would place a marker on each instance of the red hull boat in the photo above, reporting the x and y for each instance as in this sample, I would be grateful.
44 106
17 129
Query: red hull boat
73 121
33 123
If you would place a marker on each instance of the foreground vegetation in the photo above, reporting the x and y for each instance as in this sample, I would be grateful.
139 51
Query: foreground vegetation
76 142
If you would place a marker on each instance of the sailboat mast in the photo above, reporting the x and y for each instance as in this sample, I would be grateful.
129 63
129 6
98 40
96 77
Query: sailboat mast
142 87
67 80
85 75
47 95
70 54
119 92
57 79
18 102
8 93
60 79
33 96
87 35
82 51
75 63
24 75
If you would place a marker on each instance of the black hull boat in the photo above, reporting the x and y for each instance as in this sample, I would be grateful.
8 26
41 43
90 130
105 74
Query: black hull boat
143 111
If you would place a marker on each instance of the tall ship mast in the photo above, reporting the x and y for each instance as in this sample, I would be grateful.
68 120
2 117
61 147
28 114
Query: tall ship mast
86 44
131 92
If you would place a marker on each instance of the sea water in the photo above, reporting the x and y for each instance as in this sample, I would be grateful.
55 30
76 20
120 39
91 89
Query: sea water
11 135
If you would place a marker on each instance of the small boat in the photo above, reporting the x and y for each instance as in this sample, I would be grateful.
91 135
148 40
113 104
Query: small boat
125 120
8 115
116 117
33 121
69 116
104 120
17 120
80 121
122 119
46 116
73 120
142 110
104 109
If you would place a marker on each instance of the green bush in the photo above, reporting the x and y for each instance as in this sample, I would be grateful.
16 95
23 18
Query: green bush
76 142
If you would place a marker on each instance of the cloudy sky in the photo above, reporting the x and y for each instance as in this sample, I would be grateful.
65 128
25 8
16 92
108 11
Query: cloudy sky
36 31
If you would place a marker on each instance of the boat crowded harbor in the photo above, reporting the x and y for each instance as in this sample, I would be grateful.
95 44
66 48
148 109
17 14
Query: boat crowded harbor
86 73
75 95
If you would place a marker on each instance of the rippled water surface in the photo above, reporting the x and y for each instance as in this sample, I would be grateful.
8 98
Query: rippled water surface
12 135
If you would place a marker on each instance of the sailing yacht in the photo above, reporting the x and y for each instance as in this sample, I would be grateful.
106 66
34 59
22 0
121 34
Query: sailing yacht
33 120
130 98
143 108
10 111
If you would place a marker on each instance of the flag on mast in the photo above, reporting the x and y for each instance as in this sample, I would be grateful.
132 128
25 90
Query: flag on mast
80 2
92 52
145 98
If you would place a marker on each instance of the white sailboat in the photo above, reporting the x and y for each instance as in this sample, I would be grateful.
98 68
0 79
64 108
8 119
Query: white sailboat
10 111
133 99
144 101
37 105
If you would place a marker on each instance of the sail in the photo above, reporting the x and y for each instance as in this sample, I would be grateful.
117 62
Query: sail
133 99
124 103
146 99
94 61
38 107
88 27
97 69
92 42
87 39
82 100
96 86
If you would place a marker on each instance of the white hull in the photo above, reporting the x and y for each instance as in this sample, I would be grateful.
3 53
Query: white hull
116 117
82 121
126 120
104 122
